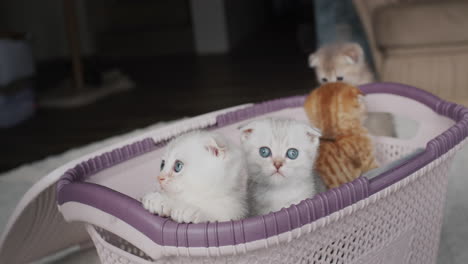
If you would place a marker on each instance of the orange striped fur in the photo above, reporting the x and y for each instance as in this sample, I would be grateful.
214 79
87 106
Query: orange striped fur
346 149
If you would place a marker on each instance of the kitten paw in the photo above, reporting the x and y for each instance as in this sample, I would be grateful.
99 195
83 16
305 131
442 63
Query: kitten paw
187 214
156 203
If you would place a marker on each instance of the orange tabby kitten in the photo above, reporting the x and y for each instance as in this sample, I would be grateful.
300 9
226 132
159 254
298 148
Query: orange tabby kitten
345 62
346 149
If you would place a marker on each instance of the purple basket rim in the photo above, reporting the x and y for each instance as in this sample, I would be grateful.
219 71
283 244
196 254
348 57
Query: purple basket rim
435 147
166 232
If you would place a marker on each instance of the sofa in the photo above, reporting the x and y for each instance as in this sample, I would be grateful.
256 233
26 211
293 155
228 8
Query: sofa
423 43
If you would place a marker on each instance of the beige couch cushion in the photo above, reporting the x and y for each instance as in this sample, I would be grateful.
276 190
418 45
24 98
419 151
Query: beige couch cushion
422 24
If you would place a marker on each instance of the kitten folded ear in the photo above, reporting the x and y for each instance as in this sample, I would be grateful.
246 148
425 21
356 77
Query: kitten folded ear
313 60
216 147
246 131
314 134
353 53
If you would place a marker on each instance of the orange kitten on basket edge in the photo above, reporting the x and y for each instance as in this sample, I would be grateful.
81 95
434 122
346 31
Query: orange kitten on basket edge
346 150
345 62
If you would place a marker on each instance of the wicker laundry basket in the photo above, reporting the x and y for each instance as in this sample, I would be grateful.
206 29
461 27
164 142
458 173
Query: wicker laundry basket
393 218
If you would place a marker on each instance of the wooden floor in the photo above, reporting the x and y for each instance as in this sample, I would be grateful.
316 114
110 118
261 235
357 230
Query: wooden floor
268 66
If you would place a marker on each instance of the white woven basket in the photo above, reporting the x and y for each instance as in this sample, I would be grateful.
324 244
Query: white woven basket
393 218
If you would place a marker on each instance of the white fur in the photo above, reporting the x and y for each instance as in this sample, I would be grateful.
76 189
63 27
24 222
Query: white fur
212 185
270 191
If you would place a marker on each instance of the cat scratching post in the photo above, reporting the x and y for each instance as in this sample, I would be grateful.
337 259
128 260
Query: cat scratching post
74 92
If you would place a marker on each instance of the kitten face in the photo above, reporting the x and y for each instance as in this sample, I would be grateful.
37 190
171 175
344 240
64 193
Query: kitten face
202 178
340 63
279 150
337 69
190 161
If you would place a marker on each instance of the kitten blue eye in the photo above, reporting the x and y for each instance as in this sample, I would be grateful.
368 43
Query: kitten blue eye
162 164
178 166
339 78
324 80
265 152
292 153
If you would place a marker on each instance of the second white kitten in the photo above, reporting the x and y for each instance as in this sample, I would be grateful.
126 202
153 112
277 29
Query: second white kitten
280 154
203 178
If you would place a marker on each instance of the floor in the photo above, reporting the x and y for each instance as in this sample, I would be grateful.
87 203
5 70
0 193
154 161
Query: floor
269 65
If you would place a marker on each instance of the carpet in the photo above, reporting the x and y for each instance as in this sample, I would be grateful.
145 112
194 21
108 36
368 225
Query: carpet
15 183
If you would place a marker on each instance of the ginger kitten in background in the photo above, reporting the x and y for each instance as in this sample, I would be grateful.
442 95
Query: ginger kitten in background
345 62
341 62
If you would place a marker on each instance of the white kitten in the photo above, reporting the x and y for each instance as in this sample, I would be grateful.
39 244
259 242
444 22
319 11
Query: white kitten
203 178
280 154
341 62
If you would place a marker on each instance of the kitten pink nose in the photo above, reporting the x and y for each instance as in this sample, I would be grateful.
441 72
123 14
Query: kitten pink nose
161 178
278 164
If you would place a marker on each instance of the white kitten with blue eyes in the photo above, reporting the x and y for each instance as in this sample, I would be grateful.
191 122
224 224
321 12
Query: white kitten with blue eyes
203 178
280 154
